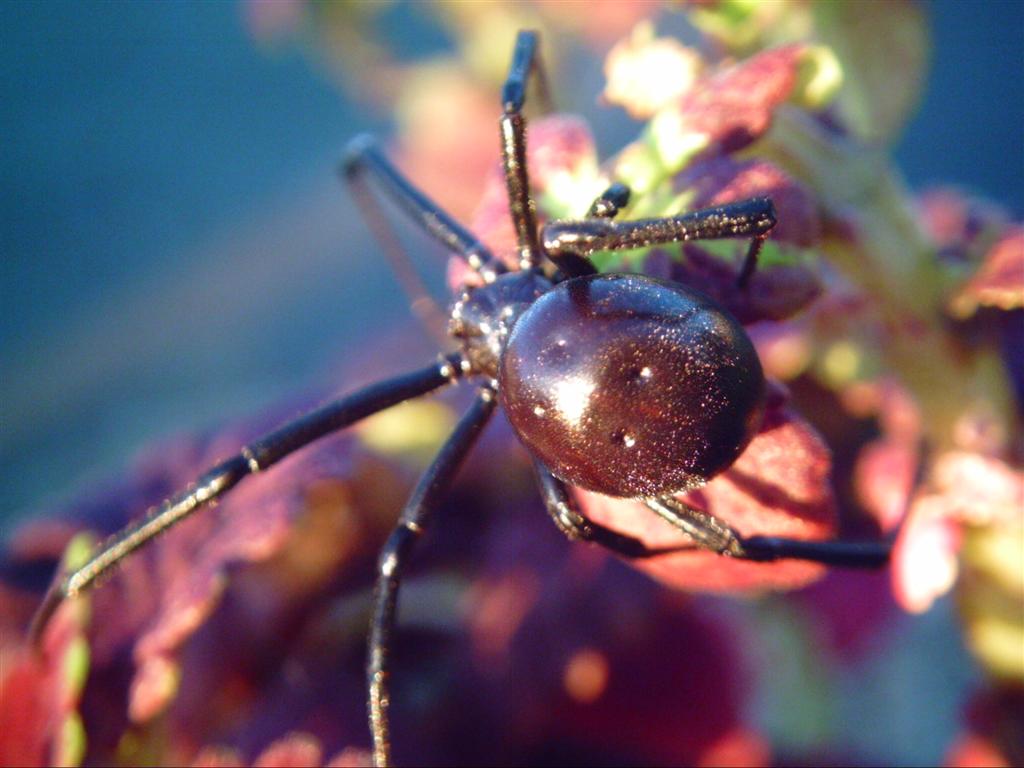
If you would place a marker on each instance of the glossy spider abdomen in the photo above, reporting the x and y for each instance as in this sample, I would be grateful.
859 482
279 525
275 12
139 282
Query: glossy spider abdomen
631 386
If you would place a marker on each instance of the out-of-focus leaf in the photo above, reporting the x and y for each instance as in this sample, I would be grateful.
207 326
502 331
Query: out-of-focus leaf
448 146
40 688
601 24
154 687
886 469
884 479
739 25
784 348
979 490
415 428
794 692
924 558
645 73
295 750
69 749
991 596
847 610
882 51
725 111
351 757
252 524
217 757
962 228
784 283
973 498
604 665
971 750
999 282
994 732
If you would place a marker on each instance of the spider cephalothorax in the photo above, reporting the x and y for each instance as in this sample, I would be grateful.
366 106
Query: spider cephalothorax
622 384
482 318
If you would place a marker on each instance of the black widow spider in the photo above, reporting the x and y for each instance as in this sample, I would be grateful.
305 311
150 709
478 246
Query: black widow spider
621 384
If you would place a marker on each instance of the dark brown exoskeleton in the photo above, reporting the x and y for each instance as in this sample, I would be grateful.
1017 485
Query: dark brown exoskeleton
621 384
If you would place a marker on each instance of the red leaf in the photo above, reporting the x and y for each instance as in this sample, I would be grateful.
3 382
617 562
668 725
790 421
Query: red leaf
773 293
999 282
968 489
924 558
957 223
735 106
217 757
39 691
351 757
884 478
296 750
979 490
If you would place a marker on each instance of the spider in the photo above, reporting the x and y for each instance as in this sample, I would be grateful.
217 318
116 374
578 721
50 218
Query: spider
617 383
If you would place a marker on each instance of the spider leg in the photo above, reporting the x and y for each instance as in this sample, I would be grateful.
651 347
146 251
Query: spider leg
576 526
364 157
610 202
708 532
423 305
754 218
606 207
750 261
394 557
525 60
846 554
257 456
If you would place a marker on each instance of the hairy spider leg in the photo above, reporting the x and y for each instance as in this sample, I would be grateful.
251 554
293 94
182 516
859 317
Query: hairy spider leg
569 243
525 61
364 157
415 518
256 456
710 533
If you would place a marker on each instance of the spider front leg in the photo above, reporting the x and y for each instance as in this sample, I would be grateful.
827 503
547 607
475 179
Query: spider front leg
708 532
255 457
394 556
569 241
525 61
364 158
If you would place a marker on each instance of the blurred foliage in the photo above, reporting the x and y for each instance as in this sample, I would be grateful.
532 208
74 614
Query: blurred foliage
891 318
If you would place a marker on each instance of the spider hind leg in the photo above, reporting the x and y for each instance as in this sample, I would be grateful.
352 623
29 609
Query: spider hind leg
710 533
